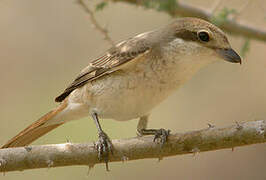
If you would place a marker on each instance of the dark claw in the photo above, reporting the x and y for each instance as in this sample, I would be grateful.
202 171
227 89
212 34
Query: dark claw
162 135
104 147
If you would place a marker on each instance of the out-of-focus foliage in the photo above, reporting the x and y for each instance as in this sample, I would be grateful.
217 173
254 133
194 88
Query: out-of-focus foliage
100 6
222 16
245 47
159 5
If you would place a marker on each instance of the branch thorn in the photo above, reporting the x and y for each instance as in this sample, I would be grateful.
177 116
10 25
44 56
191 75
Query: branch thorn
210 126
50 163
195 151
238 126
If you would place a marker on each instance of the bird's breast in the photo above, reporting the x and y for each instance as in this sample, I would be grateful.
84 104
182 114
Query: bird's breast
133 92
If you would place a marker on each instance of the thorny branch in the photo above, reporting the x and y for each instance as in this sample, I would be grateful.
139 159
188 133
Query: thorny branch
95 23
209 139
231 25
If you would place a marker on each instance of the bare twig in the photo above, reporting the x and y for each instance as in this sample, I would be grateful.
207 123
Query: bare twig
209 139
236 27
95 23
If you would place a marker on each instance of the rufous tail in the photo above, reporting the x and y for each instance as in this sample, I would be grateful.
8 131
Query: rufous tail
36 129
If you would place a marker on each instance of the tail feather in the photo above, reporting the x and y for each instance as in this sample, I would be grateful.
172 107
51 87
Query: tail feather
37 129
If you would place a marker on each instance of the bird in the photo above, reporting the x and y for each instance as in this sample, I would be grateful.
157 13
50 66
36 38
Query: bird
133 77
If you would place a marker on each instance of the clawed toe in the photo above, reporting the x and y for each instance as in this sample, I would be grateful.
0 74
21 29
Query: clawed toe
161 136
104 147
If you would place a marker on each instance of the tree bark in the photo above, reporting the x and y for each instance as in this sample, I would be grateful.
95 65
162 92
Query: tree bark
68 154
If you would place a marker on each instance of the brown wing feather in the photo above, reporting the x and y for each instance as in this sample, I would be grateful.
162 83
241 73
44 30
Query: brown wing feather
113 58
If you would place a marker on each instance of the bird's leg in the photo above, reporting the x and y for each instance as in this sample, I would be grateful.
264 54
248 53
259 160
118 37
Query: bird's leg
142 125
159 134
104 145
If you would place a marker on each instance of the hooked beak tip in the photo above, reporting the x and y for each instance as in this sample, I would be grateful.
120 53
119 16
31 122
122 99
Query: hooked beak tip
229 55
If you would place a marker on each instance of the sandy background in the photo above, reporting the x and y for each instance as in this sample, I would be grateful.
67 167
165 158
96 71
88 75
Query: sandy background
44 45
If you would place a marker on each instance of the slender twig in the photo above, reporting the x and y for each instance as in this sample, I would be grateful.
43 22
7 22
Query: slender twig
232 26
94 22
209 139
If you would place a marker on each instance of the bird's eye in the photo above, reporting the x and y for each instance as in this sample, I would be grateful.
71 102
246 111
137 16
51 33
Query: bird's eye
203 36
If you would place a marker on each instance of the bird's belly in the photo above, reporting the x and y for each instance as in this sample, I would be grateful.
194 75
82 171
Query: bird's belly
124 96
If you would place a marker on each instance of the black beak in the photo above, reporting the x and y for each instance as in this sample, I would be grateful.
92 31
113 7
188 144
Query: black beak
229 55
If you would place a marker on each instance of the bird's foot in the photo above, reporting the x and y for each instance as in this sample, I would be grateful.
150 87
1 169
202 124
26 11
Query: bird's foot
104 147
161 136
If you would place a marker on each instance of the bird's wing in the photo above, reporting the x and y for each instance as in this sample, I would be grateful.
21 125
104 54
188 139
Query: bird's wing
111 61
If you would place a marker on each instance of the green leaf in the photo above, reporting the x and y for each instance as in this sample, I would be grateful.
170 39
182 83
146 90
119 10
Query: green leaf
100 6
245 47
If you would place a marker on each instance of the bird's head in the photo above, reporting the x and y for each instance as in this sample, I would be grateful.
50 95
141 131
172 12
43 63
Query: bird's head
194 36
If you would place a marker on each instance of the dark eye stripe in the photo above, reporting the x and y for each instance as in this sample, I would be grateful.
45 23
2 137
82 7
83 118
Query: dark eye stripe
187 35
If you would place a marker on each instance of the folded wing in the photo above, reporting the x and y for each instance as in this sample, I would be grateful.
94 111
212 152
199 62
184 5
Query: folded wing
109 62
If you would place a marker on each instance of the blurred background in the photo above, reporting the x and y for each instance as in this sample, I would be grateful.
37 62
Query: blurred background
45 44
